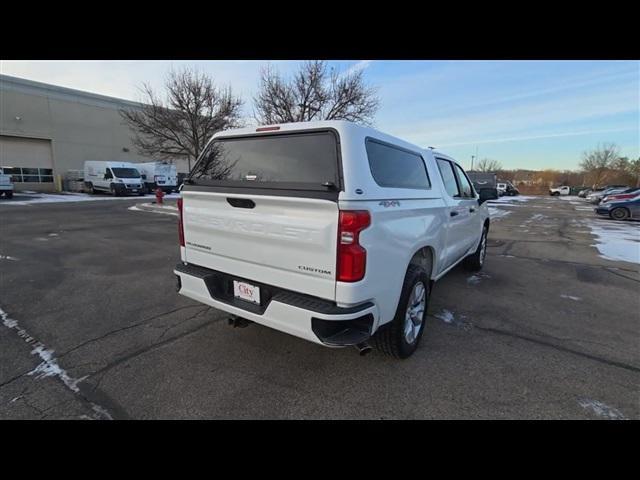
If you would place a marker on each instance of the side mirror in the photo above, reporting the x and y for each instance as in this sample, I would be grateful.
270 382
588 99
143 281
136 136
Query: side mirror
487 194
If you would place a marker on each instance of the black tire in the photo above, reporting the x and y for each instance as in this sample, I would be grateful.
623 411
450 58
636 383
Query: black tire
475 261
114 191
8 194
390 338
619 213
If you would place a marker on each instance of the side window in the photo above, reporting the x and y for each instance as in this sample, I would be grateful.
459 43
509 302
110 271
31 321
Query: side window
395 167
108 174
448 177
465 186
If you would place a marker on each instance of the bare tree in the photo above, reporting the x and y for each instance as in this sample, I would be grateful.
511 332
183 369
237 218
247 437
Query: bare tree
487 165
628 168
183 121
314 94
599 162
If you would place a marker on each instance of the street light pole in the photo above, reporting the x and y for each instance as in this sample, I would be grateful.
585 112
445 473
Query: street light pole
472 157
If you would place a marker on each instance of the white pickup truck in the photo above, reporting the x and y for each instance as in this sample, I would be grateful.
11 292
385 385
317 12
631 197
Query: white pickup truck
557 191
6 185
328 231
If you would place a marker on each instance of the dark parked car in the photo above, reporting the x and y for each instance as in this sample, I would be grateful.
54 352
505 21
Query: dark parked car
624 195
621 210
484 181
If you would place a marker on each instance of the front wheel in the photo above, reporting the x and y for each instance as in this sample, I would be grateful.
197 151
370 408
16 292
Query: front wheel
400 337
475 261
9 194
619 213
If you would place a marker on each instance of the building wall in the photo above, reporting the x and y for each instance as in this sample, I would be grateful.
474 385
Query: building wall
78 125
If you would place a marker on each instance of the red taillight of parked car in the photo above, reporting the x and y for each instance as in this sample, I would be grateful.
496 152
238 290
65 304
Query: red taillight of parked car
180 224
352 258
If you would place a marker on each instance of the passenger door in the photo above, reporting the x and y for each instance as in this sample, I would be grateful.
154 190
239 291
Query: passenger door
460 221
470 202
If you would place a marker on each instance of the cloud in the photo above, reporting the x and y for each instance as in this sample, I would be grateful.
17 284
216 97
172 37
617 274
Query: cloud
535 137
358 67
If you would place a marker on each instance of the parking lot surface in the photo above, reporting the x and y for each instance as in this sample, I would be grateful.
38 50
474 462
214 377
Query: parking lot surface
92 328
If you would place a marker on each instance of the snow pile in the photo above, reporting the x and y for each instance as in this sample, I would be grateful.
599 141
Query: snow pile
616 241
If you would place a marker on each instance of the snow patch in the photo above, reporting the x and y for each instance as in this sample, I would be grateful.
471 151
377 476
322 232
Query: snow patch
601 409
166 209
446 316
616 241
517 198
570 297
7 257
475 279
20 199
49 366
496 213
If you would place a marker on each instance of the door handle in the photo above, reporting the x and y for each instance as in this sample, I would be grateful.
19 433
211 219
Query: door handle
241 202
453 213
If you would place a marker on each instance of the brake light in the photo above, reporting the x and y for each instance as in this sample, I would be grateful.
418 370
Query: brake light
267 129
352 258
180 224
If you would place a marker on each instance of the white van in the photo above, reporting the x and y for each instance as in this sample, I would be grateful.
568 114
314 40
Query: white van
6 185
117 178
328 231
158 174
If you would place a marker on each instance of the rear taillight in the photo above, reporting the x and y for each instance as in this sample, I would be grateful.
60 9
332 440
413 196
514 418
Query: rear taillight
180 224
352 258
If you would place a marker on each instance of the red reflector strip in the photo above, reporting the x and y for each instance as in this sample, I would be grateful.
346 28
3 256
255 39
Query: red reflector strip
180 224
267 129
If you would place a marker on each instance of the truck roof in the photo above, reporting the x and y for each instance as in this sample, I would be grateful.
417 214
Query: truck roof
343 128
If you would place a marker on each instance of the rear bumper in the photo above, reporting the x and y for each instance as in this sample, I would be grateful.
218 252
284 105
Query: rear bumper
314 319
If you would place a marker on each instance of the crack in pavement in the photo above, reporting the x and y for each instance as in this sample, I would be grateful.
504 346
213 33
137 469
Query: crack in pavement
152 347
568 262
561 348
137 324
181 322
49 365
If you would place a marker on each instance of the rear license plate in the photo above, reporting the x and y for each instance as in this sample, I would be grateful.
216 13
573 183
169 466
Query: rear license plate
246 291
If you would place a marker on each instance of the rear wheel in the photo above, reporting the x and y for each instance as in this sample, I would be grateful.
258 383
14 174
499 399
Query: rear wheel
9 193
400 337
619 213
475 261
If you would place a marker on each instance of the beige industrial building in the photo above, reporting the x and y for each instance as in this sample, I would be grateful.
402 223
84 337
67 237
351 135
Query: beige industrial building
47 131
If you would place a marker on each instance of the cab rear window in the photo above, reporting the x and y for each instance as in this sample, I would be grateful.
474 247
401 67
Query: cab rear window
307 160
395 167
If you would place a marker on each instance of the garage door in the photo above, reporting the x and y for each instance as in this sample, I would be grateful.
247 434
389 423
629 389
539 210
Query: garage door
27 160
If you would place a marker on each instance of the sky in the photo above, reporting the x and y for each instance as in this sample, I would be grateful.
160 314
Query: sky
525 114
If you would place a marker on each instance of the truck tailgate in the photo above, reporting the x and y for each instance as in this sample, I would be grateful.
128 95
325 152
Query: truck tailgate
287 242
